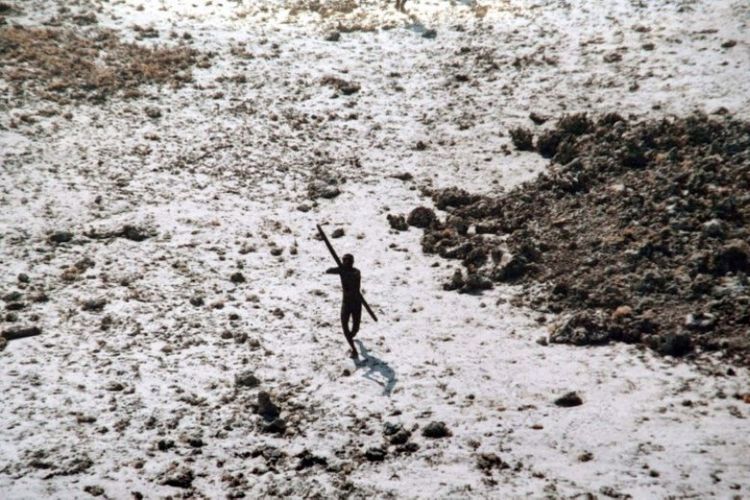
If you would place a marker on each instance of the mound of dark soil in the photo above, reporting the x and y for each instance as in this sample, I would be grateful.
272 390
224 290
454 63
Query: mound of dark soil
638 232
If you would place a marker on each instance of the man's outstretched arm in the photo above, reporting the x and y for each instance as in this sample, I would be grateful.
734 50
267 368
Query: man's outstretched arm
333 270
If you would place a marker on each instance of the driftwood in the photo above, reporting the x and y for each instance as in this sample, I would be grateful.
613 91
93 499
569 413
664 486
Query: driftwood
21 332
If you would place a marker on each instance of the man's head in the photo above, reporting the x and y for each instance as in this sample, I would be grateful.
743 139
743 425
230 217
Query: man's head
348 261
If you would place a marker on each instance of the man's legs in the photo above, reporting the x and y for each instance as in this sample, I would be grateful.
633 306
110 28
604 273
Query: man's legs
345 313
356 318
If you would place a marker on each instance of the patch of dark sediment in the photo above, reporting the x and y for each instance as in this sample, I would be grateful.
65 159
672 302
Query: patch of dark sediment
637 232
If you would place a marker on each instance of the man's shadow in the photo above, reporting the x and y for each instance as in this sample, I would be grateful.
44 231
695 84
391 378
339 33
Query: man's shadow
376 366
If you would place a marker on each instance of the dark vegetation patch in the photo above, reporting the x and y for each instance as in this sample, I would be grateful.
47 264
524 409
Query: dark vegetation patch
61 64
637 232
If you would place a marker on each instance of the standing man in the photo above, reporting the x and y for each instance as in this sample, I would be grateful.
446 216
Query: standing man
351 305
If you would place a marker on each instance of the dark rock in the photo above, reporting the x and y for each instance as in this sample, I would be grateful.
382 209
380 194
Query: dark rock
14 296
152 112
453 197
569 400
135 233
21 332
333 36
732 257
237 278
308 459
522 138
512 270
422 217
400 437
488 461
728 44
246 379
397 222
420 146
197 301
337 233
375 454
547 143
61 237
674 344
266 408
178 477
476 282
391 428
538 118
582 328
436 430
456 282
165 444
94 490
404 176
276 426
429 34
408 448
23 278
701 322
94 305
321 189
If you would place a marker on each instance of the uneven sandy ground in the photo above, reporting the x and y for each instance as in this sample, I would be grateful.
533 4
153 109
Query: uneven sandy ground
219 177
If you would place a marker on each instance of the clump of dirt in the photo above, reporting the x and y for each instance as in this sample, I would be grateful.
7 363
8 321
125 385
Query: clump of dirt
62 64
638 232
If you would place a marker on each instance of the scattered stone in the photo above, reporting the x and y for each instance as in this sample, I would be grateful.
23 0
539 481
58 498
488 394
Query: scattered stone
94 305
307 459
701 322
276 426
135 233
375 454
337 233
21 332
14 296
246 379
488 461
673 344
569 400
152 112
728 44
237 278
61 237
404 176
400 437
197 301
429 34
266 408
333 36
522 139
582 328
397 222
178 477
321 189
94 490
422 217
436 430
23 278
538 118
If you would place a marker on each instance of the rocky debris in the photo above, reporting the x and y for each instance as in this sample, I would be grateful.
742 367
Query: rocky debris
333 36
400 437
397 222
728 44
436 430
429 34
275 426
673 344
522 138
246 379
61 237
23 278
635 226
130 232
94 490
569 400
21 332
237 278
94 305
266 408
422 217
3 343
486 462
197 301
14 296
152 112
272 455
338 233
375 454
538 118
177 476
322 189
403 176
342 86
307 459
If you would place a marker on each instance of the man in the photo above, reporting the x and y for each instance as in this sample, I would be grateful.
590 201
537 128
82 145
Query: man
351 305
